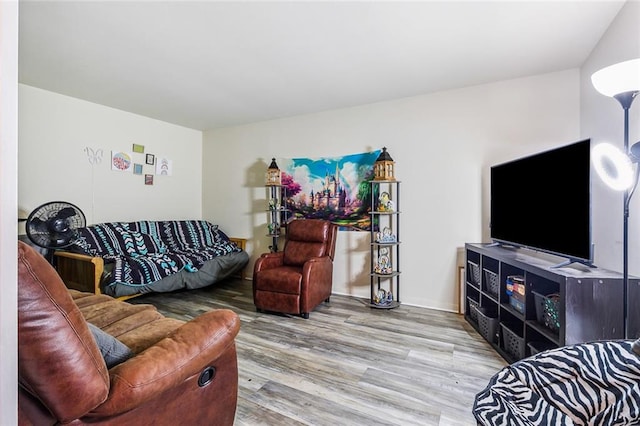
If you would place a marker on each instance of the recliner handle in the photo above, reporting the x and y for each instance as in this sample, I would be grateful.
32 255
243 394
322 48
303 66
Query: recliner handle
207 376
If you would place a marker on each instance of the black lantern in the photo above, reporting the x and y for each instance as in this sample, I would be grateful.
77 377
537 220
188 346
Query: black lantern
273 177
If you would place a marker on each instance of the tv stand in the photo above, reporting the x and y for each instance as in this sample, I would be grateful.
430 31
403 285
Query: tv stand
567 262
588 302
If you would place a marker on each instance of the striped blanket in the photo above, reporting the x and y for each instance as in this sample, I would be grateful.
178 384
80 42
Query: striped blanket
146 251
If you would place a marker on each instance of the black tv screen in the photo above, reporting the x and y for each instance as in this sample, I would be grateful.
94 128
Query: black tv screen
543 202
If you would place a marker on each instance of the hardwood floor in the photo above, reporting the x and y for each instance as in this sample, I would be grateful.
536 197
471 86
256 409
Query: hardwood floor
348 364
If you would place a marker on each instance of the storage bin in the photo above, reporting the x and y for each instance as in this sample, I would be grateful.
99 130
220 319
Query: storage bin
491 282
473 309
512 343
547 310
488 326
474 273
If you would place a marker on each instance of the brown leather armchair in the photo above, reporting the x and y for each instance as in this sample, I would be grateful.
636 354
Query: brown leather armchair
179 372
299 278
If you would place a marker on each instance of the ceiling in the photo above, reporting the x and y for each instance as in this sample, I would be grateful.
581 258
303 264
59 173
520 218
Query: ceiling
212 64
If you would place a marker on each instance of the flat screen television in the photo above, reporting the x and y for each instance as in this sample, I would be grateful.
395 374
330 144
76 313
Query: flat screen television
543 202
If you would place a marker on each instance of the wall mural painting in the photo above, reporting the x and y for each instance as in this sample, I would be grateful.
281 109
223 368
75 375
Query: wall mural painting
335 189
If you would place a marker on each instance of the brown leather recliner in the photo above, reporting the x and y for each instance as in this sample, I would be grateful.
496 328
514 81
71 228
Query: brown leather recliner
180 372
299 278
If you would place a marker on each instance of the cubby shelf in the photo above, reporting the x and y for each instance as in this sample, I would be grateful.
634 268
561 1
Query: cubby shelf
587 302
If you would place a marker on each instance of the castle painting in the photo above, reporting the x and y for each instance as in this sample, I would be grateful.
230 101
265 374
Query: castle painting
335 189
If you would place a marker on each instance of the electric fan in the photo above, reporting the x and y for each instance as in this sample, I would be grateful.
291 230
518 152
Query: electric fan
54 225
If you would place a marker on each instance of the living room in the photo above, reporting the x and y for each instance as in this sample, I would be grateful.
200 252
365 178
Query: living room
443 144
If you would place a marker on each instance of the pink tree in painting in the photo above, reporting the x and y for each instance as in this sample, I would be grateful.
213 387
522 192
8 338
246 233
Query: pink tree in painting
289 184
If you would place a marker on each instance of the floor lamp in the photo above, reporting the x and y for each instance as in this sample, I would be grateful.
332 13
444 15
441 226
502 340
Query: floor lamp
622 82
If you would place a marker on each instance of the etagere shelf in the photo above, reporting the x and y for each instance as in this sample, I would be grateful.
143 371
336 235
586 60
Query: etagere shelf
385 244
278 214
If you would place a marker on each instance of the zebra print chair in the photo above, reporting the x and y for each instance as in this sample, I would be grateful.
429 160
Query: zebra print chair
586 384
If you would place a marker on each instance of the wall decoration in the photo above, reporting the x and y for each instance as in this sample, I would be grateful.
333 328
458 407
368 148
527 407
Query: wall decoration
164 167
148 179
121 161
332 188
138 148
94 156
151 159
137 169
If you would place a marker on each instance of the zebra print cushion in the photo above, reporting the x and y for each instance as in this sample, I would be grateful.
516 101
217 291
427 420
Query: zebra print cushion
586 384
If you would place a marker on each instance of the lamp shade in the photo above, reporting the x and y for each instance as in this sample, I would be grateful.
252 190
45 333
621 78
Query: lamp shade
618 78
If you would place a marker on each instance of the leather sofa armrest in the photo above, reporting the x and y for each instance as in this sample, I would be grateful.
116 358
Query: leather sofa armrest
269 261
80 271
183 354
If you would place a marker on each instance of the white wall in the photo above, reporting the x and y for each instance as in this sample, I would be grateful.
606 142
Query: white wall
443 145
8 211
53 164
602 121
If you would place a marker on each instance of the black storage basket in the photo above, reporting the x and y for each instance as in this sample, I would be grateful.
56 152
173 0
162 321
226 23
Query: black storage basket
512 343
488 326
491 282
474 273
473 309
547 311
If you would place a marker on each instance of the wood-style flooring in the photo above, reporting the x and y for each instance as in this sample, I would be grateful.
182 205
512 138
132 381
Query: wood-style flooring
348 364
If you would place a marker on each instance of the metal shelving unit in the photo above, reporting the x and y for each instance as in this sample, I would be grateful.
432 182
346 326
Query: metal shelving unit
385 244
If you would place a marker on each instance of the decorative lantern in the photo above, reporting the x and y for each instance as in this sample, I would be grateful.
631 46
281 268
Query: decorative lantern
273 174
383 167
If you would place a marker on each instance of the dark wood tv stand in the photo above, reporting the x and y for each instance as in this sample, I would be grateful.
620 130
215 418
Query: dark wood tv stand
588 305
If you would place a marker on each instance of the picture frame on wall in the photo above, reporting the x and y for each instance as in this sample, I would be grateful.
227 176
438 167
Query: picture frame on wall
148 179
151 159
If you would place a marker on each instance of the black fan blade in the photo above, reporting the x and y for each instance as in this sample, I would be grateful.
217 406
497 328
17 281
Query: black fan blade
66 213
38 225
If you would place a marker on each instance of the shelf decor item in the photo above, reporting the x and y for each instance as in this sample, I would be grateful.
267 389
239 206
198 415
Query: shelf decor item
620 81
385 204
385 236
274 177
383 298
383 169
383 266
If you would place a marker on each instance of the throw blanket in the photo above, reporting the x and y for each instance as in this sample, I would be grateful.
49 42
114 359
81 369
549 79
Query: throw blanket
585 384
146 251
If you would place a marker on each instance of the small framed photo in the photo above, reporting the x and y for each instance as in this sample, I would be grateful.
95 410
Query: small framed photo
151 159
138 148
137 169
148 179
